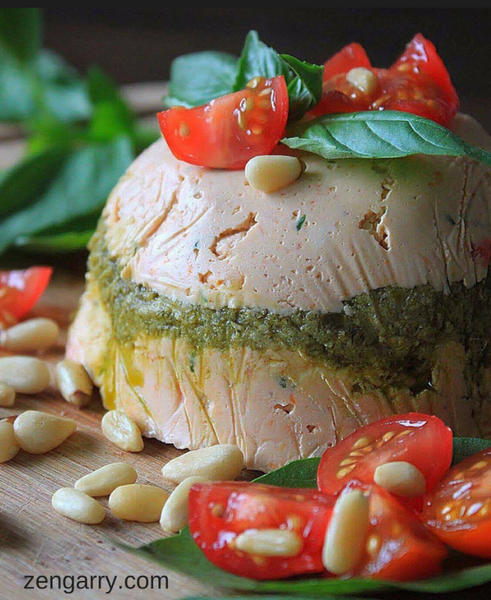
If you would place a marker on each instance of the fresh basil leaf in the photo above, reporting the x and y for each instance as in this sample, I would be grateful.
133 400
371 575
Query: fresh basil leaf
373 134
305 89
16 98
198 78
23 183
259 60
143 136
181 554
69 241
79 187
296 474
111 114
303 80
20 32
47 87
49 133
59 90
463 447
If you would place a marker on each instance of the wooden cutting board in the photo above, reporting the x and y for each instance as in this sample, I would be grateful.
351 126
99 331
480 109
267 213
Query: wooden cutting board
35 540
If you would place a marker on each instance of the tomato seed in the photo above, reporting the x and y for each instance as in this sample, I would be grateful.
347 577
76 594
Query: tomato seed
373 545
184 130
361 443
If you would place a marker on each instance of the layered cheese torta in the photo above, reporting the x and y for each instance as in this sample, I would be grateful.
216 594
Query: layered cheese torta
281 322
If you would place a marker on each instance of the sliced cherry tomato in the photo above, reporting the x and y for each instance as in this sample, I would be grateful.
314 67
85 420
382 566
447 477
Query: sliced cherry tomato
398 547
422 57
219 512
351 56
422 440
230 130
459 508
20 290
418 83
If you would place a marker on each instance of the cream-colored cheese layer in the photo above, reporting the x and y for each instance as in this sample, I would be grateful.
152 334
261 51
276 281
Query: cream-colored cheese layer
344 228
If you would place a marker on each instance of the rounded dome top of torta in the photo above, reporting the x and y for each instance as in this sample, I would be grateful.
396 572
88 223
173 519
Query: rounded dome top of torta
345 227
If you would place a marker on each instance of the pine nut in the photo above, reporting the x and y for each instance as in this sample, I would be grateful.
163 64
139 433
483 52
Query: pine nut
401 478
105 480
122 431
270 542
8 444
346 533
137 502
74 382
217 463
363 79
30 336
27 375
78 506
7 395
271 173
38 432
175 514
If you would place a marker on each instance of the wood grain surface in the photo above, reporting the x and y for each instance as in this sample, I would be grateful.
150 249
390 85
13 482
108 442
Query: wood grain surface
37 541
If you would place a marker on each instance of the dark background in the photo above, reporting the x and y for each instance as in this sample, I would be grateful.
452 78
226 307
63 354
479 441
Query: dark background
139 44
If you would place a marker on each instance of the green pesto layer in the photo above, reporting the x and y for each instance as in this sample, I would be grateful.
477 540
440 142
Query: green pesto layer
384 329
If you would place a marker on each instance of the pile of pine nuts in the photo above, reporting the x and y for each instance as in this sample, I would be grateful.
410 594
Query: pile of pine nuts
34 432
31 375
131 501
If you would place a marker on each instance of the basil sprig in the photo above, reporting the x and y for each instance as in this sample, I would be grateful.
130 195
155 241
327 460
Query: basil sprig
82 137
180 553
200 77
385 134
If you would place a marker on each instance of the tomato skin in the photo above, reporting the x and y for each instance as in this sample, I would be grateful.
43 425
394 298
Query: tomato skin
458 510
421 53
221 511
417 82
20 290
428 446
229 131
401 549
351 56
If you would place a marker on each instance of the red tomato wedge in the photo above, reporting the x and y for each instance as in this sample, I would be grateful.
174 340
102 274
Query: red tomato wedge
422 440
398 546
417 82
351 56
20 290
220 512
230 130
459 508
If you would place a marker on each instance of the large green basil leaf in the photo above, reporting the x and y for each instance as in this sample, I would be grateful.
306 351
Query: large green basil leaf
385 134
200 77
79 187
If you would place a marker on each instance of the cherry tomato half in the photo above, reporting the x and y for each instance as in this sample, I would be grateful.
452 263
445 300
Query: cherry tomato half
219 512
422 440
398 546
230 130
459 508
20 290
351 56
417 82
